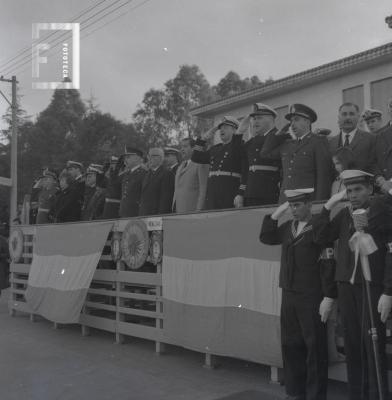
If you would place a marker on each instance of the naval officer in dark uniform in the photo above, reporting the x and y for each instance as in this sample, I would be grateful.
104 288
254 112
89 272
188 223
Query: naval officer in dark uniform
260 180
352 299
308 292
306 159
226 163
131 182
113 188
172 159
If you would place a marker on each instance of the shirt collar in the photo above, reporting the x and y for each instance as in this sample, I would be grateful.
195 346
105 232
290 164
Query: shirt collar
135 168
350 134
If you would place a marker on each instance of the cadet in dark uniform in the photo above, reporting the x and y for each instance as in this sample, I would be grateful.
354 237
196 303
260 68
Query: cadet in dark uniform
373 119
47 196
172 159
113 189
226 163
306 160
308 292
261 179
352 299
131 183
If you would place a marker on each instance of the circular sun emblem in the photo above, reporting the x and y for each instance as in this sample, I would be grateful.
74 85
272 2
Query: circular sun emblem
156 247
135 244
16 245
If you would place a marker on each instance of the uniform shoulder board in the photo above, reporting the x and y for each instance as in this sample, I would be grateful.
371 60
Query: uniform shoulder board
328 253
389 247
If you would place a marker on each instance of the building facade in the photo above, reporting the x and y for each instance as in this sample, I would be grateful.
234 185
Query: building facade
364 78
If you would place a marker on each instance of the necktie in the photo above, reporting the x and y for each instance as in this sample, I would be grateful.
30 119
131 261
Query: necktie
346 140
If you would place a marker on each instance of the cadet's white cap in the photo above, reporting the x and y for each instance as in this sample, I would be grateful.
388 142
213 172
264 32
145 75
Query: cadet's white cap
298 194
355 176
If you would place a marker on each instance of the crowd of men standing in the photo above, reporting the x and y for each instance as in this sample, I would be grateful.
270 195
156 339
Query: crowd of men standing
201 175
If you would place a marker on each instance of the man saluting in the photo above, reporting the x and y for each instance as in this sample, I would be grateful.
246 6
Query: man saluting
352 299
308 292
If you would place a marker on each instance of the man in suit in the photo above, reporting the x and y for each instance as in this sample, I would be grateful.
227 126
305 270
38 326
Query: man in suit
361 143
260 180
113 188
131 182
77 187
94 203
308 292
191 181
172 158
306 160
226 163
384 150
158 186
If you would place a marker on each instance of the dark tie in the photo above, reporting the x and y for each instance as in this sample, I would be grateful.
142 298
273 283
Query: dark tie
346 140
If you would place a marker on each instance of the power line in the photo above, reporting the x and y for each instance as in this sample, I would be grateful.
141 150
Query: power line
28 49
29 56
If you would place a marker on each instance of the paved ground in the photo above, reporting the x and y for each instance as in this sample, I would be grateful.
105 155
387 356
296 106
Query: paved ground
41 363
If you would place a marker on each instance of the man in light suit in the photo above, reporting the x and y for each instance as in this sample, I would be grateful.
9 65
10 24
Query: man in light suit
190 182
361 143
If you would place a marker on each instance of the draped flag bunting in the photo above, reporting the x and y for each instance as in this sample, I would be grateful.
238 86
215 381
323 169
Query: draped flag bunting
64 260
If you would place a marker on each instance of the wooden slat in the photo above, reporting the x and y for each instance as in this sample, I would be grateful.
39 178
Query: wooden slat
143 278
20 268
142 331
105 275
100 306
27 229
136 311
17 291
103 292
20 281
107 257
105 324
139 296
27 255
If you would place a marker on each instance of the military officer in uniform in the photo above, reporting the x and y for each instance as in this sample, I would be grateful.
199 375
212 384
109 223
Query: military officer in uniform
384 150
47 196
172 158
131 182
113 188
77 187
94 203
306 159
226 163
352 298
308 293
260 181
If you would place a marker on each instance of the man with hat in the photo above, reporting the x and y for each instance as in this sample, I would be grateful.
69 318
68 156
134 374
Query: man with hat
157 187
308 291
226 160
361 143
376 222
260 181
77 187
172 156
94 199
306 160
373 119
131 182
113 188
47 196
384 149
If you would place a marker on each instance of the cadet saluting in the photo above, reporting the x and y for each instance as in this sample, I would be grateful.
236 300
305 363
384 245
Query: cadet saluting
308 292
226 163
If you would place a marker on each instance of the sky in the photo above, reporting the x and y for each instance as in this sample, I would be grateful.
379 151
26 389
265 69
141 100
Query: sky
122 59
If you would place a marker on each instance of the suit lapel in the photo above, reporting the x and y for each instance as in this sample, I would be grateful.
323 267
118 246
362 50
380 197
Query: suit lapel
356 139
303 142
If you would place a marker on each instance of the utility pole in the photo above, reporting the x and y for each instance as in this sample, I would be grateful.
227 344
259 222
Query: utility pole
13 182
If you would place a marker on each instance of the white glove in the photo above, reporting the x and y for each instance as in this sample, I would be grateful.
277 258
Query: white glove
384 306
326 307
238 201
280 210
335 199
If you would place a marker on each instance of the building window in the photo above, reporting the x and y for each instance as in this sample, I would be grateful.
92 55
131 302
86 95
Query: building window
380 93
280 119
354 95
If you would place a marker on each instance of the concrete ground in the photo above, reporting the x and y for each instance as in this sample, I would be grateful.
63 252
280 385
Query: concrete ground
38 362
